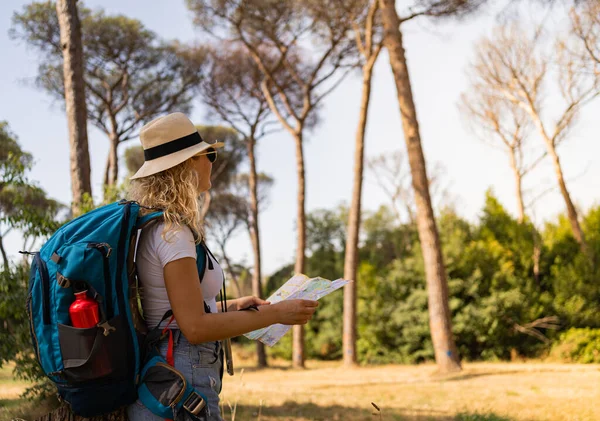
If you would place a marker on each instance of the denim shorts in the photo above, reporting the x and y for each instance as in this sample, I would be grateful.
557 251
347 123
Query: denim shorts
201 365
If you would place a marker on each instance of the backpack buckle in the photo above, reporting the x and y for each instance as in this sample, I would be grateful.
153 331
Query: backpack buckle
194 403
107 328
63 281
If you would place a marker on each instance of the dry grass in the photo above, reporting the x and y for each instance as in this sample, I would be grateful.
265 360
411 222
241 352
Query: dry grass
9 387
327 391
483 391
11 406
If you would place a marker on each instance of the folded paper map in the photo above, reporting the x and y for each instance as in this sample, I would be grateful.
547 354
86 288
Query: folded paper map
299 287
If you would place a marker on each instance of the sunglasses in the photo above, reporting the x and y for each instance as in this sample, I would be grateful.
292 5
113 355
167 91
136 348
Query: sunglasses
211 154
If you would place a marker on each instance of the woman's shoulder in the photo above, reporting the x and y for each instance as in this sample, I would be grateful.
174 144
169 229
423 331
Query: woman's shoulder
176 236
175 243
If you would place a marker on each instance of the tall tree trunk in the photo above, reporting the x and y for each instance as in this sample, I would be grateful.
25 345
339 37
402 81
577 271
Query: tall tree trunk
571 210
518 185
354 217
3 251
446 353
255 238
232 276
70 39
106 171
113 160
298 330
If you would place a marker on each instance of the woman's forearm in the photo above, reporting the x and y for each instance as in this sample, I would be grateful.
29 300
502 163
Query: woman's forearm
232 305
219 326
185 293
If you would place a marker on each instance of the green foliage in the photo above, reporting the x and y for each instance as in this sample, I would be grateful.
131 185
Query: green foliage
24 207
13 290
134 159
392 313
283 348
493 286
501 300
575 281
14 162
578 346
15 339
131 75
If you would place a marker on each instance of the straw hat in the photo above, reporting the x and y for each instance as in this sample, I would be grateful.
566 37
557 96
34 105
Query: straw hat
168 141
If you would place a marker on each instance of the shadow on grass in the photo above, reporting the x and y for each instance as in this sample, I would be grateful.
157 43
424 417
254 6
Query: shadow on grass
294 411
480 417
289 411
471 375
253 368
467 376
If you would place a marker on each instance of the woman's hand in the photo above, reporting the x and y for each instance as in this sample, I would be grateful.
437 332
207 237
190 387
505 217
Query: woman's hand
295 312
245 302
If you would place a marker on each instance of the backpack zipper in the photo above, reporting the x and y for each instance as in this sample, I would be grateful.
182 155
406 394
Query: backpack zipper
43 271
36 346
105 249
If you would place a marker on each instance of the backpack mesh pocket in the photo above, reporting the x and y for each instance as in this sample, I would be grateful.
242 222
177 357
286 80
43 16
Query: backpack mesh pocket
93 353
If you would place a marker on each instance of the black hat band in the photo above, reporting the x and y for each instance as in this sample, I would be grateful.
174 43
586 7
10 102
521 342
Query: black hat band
172 146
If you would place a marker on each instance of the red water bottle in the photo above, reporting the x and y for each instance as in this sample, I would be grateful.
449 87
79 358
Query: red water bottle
84 311
84 314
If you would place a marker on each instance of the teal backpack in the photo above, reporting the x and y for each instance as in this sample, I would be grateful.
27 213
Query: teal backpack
99 369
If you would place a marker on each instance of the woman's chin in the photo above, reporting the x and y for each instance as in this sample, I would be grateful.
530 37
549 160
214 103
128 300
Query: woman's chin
205 188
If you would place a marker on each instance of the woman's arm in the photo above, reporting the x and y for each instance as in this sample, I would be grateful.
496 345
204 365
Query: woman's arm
245 302
185 296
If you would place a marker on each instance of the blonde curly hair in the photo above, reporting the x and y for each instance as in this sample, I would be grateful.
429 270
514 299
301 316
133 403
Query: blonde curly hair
175 191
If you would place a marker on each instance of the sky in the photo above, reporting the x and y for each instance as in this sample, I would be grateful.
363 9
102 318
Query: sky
437 57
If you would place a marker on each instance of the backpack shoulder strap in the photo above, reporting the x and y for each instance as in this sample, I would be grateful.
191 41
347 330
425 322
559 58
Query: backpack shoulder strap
143 221
202 252
201 259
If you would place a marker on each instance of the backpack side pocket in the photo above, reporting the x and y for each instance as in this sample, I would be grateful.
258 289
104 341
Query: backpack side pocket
93 353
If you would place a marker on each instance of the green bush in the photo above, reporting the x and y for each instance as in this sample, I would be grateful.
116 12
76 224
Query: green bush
578 346
15 339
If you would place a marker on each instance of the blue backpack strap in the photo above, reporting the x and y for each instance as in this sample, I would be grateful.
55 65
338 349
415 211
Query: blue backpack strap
201 259
143 220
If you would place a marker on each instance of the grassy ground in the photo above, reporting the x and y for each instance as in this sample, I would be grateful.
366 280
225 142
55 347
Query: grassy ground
482 392
327 391
9 387
11 406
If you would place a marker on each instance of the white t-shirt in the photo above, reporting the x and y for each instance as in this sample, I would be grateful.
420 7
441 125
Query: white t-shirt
153 253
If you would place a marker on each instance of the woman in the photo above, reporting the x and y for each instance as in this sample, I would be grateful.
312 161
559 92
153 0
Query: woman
176 170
